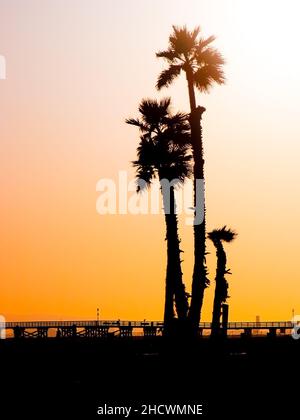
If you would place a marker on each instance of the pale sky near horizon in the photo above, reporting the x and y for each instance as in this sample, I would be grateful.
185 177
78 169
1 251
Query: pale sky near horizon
75 70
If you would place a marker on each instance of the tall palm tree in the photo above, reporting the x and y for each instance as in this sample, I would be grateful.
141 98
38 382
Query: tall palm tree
163 153
218 236
202 64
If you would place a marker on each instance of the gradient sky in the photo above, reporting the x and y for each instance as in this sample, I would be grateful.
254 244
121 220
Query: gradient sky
75 70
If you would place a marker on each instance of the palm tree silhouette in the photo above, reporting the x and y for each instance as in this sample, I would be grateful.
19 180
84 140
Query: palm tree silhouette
218 236
202 65
163 153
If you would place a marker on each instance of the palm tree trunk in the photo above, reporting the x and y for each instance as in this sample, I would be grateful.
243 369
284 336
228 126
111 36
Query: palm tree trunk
215 325
192 97
174 284
199 281
220 290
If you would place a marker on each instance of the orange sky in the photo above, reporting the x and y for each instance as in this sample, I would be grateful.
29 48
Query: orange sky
75 70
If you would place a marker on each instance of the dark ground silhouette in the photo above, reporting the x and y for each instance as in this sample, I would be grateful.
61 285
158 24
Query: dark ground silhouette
70 378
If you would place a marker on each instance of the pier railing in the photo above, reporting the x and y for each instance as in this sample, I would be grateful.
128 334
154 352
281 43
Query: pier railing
141 324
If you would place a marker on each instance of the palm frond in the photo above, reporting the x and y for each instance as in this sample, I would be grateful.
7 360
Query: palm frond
153 112
178 136
195 32
165 146
202 79
144 175
205 76
136 122
182 40
169 55
202 43
210 56
187 51
180 118
167 76
222 234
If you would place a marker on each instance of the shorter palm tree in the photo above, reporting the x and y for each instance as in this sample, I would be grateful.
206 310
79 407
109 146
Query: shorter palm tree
218 236
163 153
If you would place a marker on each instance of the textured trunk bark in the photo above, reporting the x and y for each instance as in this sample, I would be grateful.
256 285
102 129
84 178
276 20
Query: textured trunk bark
174 285
199 281
216 317
220 290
